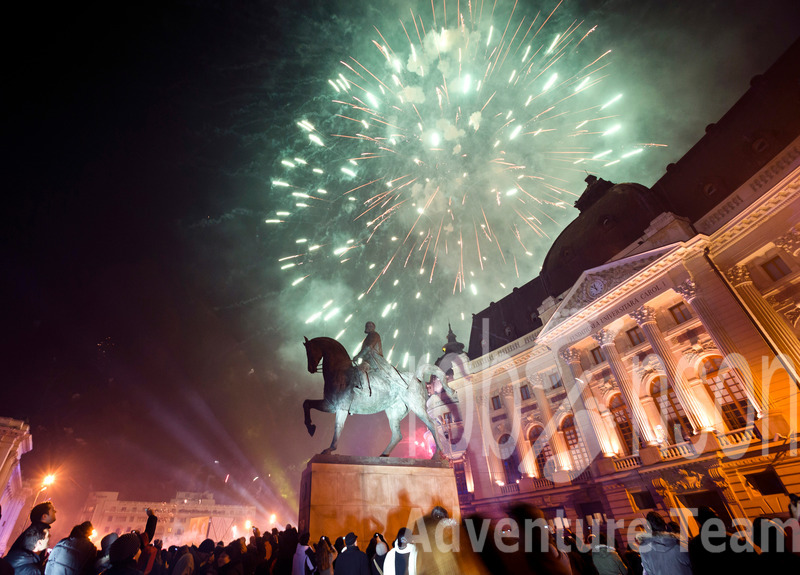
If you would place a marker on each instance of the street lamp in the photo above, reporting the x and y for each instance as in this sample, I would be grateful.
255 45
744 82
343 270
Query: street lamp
46 482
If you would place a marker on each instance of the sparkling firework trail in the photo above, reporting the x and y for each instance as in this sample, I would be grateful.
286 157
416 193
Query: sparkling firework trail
448 132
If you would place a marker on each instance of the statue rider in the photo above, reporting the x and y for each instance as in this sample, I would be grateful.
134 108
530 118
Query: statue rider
373 364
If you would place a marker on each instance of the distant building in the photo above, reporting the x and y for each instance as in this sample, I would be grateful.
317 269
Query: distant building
15 441
654 364
188 518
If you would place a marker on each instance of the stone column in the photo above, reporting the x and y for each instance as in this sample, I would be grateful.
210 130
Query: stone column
584 406
770 320
643 428
490 447
526 465
556 438
645 316
719 335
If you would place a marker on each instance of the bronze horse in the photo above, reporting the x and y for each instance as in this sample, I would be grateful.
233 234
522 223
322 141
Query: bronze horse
347 390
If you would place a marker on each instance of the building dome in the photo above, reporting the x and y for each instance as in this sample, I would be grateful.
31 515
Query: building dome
612 216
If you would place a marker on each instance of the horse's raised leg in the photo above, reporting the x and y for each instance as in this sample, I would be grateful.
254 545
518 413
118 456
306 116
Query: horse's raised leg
395 413
308 405
341 416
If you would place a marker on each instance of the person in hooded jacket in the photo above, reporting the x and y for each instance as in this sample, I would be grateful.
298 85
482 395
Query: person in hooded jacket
606 559
302 562
661 550
402 558
73 555
24 558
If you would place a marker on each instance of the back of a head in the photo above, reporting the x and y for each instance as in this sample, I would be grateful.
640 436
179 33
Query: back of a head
84 530
656 522
304 537
124 549
439 512
403 537
602 538
105 542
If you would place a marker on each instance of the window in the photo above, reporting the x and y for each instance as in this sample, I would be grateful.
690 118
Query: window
673 416
727 392
508 452
576 447
680 313
598 356
555 381
447 417
525 392
460 471
619 410
776 268
541 448
496 402
766 482
110 519
643 500
636 336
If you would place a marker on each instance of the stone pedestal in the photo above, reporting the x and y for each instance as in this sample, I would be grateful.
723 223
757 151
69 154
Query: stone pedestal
340 493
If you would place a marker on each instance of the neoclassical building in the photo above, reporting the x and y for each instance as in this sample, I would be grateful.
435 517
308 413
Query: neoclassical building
654 364
15 441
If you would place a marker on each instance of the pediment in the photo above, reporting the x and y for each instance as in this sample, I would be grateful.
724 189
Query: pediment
596 283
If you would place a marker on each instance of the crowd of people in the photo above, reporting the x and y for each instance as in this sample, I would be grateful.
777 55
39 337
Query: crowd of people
436 545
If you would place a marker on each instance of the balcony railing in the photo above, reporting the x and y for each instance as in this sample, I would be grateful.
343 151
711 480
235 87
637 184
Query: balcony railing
737 437
585 475
541 483
510 488
628 462
683 449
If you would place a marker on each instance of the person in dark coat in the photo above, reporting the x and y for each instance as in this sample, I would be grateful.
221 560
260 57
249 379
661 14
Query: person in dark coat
352 560
102 563
123 555
24 558
633 560
718 550
42 517
73 555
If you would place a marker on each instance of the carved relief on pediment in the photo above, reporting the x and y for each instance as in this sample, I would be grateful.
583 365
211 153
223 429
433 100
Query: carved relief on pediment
599 283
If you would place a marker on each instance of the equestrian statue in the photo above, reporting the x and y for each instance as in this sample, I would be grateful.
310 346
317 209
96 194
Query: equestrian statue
366 384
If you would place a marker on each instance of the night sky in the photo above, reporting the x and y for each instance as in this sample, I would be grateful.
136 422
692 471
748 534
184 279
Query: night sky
150 330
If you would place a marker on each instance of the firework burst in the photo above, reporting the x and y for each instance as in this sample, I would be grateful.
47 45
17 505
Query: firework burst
450 153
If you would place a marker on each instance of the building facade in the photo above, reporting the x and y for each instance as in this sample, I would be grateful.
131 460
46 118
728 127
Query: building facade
187 518
15 441
655 362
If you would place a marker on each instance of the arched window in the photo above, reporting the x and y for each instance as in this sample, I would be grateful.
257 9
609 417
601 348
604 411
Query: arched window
727 391
544 452
673 417
623 420
580 458
508 454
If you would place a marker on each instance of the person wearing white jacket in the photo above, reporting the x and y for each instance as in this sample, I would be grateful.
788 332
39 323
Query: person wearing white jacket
402 558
